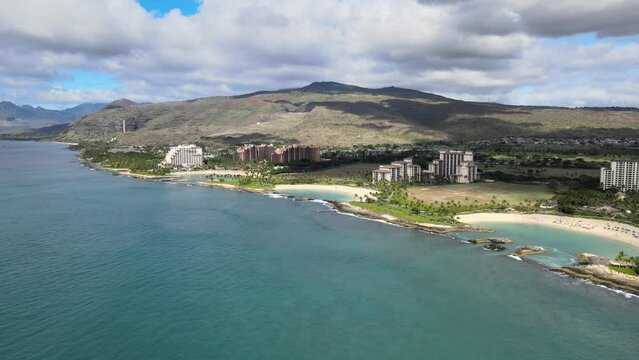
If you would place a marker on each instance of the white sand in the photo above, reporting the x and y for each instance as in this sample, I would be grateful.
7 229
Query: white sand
210 172
348 190
127 172
63 143
609 229
217 185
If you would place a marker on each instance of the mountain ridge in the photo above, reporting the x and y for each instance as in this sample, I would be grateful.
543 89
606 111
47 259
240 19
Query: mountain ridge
336 114
27 116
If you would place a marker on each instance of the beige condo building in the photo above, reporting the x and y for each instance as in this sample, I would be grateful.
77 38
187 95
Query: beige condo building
402 170
622 175
455 166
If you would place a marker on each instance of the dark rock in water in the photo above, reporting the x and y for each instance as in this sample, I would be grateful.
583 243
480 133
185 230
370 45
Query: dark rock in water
494 247
529 250
491 241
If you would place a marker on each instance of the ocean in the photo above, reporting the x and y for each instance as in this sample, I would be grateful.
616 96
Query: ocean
96 266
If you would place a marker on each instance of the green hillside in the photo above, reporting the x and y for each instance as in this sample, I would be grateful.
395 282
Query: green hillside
334 114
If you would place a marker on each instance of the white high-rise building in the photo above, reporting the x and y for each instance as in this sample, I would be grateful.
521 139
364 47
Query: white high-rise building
454 166
622 175
184 155
403 170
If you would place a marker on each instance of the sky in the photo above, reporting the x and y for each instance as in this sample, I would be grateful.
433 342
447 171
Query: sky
60 53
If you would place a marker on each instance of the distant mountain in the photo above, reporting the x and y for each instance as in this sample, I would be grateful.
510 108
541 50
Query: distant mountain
335 88
13 116
118 104
335 114
43 133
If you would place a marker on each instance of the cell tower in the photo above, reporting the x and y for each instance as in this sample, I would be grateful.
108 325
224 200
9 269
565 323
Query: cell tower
123 126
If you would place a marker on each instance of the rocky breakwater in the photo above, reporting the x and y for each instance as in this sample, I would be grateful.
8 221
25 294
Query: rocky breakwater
598 270
528 250
494 247
492 244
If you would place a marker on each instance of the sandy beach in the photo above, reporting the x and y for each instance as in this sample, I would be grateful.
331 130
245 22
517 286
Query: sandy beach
210 172
609 229
349 190
63 143
127 172
218 185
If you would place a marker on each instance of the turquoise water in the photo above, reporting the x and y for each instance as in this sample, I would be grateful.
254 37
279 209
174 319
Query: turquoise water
318 194
104 267
561 246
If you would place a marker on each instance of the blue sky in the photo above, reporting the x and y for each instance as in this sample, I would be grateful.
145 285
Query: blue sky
78 79
531 52
592 38
161 7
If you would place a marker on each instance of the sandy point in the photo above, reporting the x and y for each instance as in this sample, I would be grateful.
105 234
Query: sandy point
341 189
210 172
609 229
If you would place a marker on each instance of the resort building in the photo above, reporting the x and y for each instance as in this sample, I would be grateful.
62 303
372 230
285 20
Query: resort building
184 155
455 166
246 153
403 170
622 175
282 155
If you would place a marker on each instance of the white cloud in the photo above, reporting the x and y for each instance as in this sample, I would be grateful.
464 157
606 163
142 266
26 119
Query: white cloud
479 49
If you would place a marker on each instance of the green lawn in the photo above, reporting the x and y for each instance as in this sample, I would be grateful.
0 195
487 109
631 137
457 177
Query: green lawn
624 270
247 186
572 173
404 213
481 193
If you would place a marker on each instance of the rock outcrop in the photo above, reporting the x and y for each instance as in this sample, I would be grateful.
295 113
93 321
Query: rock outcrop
494 247
602 274
591 259
491 241
529 250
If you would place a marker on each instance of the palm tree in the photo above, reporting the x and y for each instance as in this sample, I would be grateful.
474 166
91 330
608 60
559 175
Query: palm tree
621 256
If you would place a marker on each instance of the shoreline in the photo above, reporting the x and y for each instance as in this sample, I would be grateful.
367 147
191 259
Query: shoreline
352 191
234 188
127 172
592 273
209 172
604 228
347 208
468 222
62 142
599 274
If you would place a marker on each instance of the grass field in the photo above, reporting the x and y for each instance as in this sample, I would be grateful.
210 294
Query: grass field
403 213
623 270
481 193
358 168
544 172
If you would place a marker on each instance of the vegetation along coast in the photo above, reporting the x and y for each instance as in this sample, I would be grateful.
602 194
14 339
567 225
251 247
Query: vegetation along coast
441 181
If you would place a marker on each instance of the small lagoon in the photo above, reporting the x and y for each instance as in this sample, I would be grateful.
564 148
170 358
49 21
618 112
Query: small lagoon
561 245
